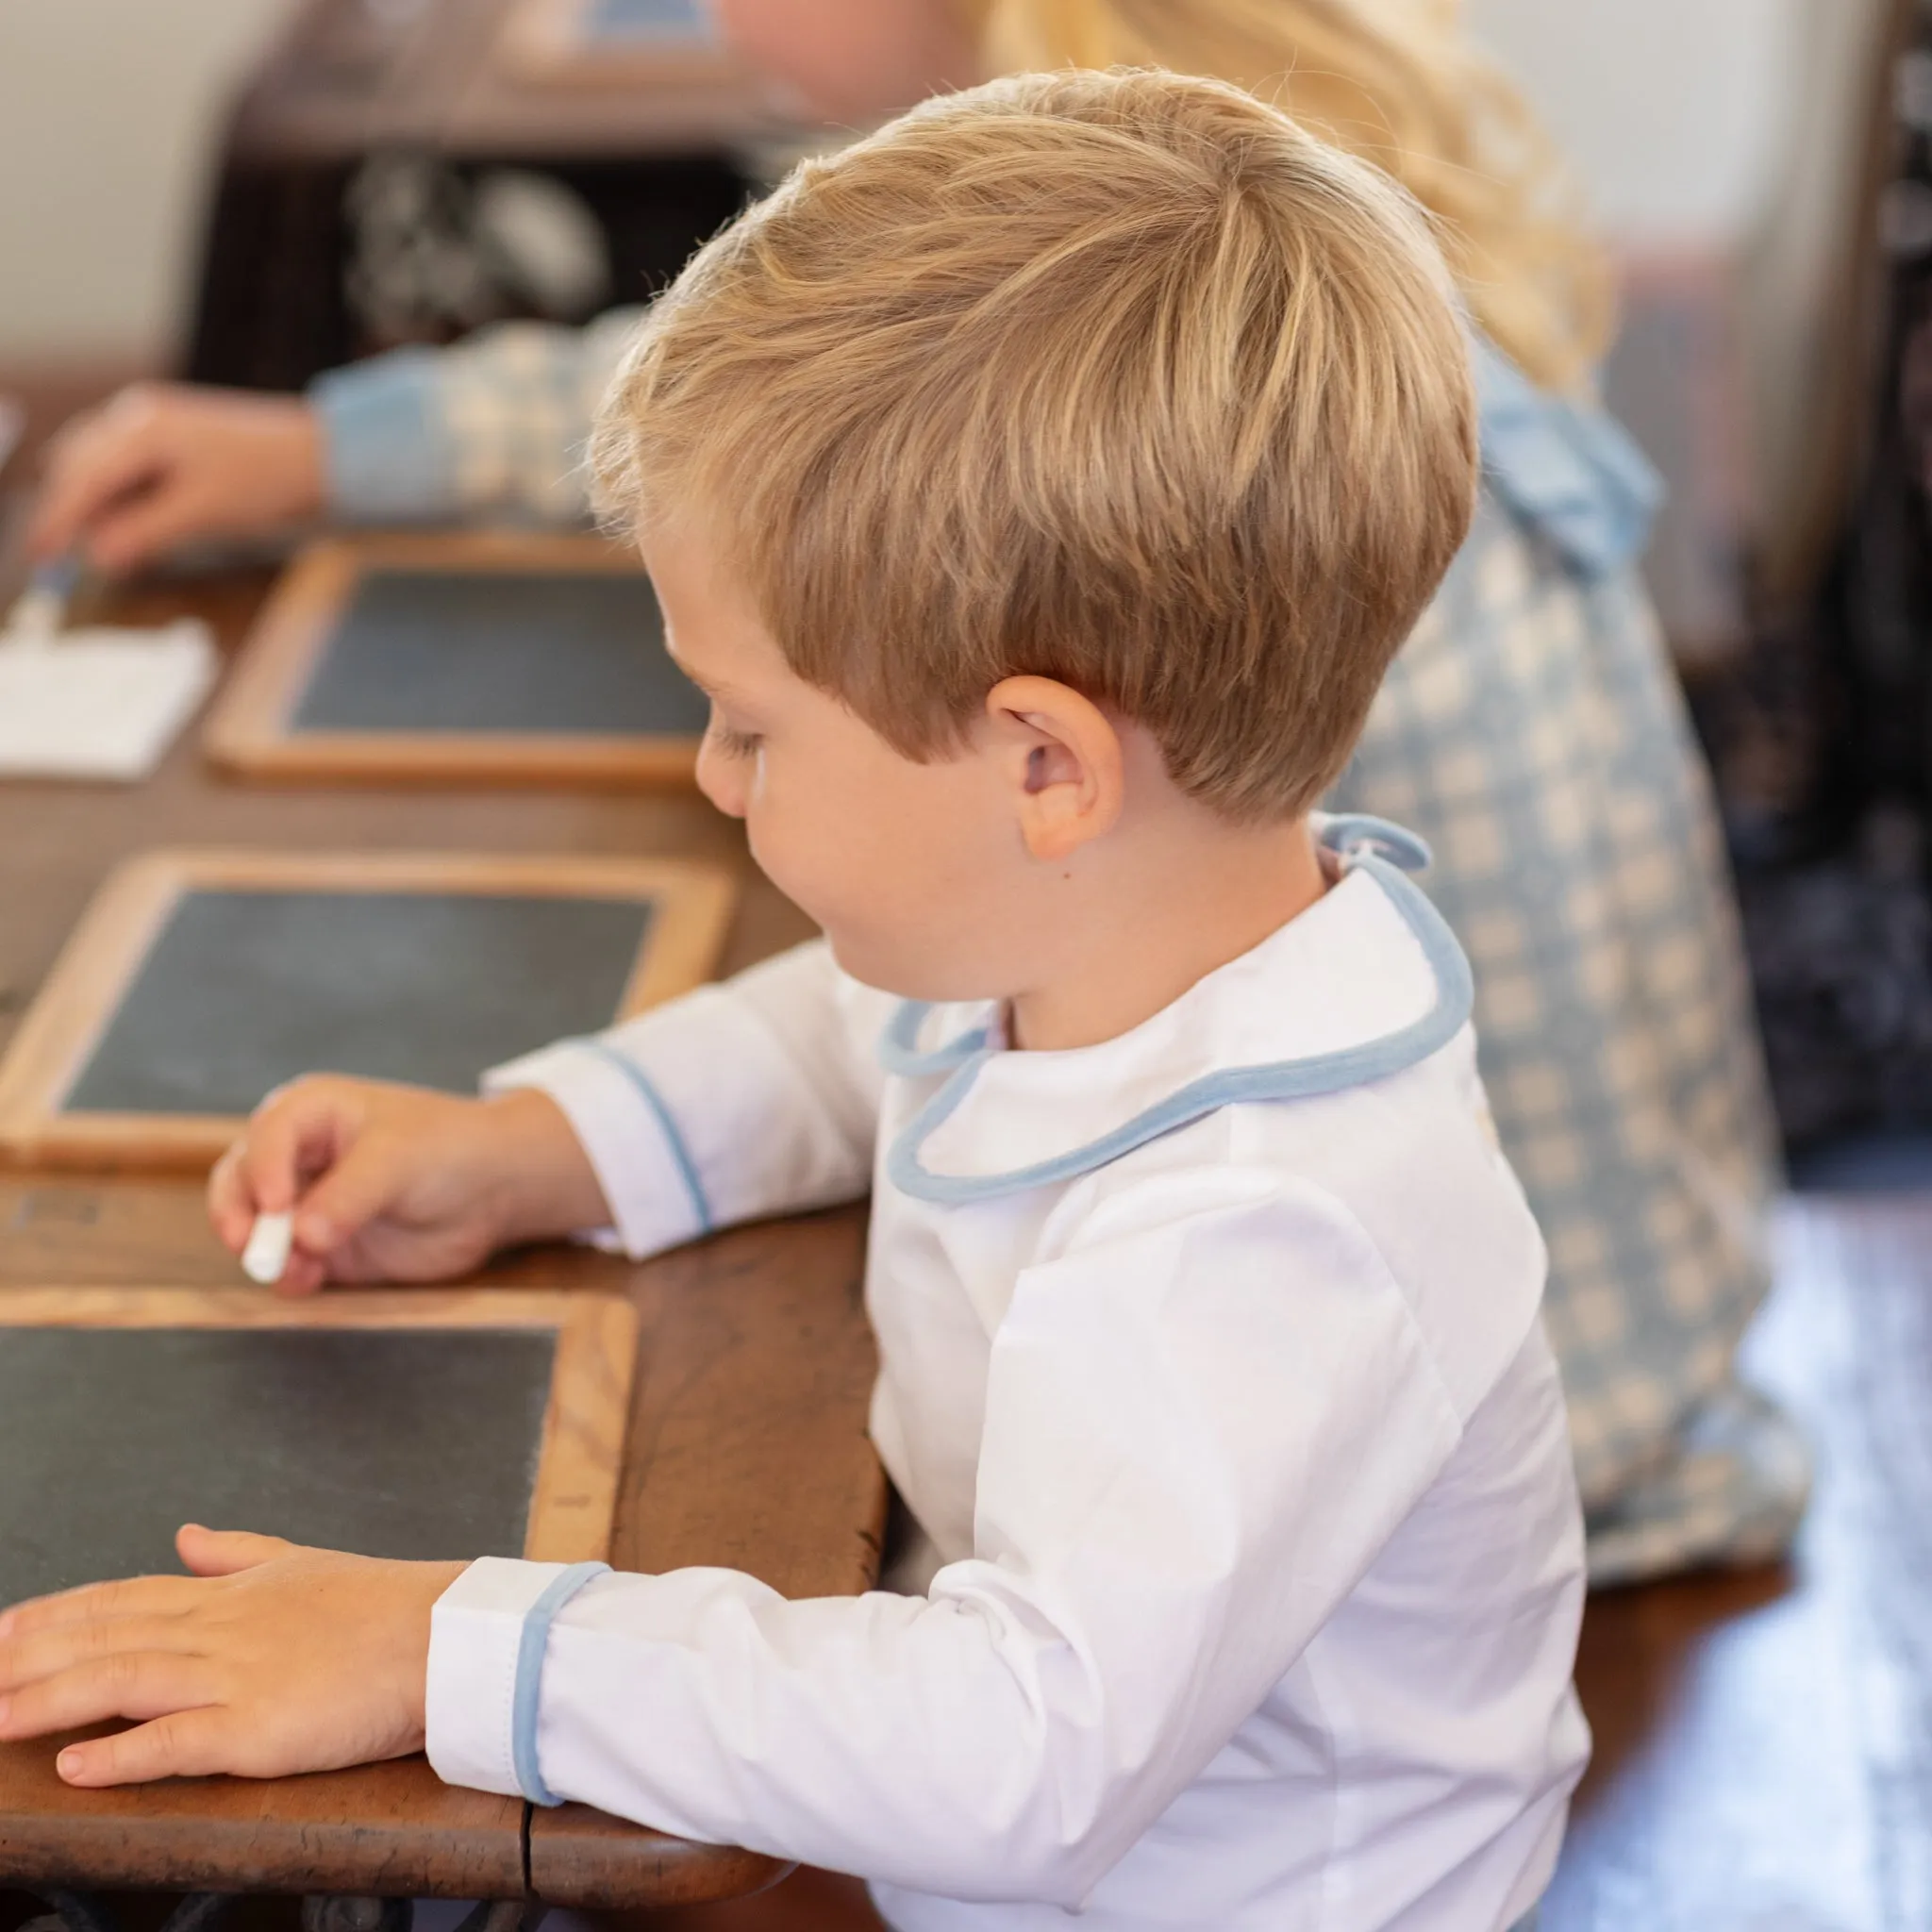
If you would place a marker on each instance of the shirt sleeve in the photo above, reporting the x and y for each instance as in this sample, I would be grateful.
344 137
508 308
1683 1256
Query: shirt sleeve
1186 1466
494 427
757 1098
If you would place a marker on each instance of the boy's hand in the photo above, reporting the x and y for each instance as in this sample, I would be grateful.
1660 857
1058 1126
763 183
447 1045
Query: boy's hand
161 463
271 1660
392 1183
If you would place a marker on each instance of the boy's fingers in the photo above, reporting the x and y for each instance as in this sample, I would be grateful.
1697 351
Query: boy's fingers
230 1205
223 1551
350 1195
132 1596
43 1656
295 1129
186 1743
302 1274
131 1683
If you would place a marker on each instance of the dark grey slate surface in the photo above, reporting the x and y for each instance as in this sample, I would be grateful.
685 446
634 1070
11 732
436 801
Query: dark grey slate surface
540 651
418 1444
243 990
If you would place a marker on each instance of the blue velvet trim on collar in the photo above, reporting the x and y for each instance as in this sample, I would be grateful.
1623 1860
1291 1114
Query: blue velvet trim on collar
1362 841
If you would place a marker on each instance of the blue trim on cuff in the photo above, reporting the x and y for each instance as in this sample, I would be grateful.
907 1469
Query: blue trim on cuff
532 1641
385 439
680 1154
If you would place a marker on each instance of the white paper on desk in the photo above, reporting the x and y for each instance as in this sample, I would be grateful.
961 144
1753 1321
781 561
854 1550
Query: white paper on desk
99 703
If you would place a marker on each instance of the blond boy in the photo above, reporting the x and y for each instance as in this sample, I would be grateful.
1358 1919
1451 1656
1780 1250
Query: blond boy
1039 490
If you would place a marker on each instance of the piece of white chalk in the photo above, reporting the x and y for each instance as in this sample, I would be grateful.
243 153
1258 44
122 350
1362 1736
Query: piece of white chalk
41 610
267 1253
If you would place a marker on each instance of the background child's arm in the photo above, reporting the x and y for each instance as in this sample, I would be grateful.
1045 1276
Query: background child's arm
163 463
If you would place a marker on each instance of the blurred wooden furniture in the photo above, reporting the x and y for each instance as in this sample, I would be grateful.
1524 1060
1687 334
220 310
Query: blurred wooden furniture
651 153
1764 1740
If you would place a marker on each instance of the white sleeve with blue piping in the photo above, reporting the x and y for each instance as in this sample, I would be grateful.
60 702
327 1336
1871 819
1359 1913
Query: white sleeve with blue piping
1157 1538
759 1096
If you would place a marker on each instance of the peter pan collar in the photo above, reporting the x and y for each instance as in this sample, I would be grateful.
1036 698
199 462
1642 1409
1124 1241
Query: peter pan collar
1366 982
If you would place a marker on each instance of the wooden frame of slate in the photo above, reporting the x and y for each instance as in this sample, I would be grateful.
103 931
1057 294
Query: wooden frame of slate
354 669
572 1493
633 931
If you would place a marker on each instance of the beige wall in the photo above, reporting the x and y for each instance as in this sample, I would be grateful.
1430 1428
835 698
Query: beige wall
1732 130
1674 110
108 109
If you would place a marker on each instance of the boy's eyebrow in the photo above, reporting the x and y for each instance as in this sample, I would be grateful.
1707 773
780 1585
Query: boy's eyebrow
709 687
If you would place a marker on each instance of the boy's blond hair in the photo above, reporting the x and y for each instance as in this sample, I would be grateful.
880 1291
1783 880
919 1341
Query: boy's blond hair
1116 378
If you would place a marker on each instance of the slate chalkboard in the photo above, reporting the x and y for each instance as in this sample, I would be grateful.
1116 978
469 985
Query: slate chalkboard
243 989
392 1443
553 651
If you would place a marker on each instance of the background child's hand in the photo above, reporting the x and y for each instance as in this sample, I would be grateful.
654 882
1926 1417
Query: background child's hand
393 1183
270 1660
161 463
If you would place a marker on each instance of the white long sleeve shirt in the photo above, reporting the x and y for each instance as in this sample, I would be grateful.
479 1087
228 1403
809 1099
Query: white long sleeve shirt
1210 1364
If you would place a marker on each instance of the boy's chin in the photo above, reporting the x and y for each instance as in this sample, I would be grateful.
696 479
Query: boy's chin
887 969
879 967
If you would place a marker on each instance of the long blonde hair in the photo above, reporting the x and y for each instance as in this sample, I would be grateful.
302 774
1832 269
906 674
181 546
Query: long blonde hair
1407 93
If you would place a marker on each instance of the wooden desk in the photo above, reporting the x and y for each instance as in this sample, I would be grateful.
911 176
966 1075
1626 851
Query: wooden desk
1764 1739
748 1441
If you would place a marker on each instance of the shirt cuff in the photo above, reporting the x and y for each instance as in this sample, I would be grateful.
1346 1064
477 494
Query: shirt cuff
487 1636
385 449
650 1183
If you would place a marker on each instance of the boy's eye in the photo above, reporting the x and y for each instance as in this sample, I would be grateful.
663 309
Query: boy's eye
734 745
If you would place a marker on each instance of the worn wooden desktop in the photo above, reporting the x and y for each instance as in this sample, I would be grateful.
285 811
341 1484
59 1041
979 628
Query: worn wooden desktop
746 1441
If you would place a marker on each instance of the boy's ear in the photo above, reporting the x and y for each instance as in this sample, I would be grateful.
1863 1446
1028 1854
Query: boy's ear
1065 762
